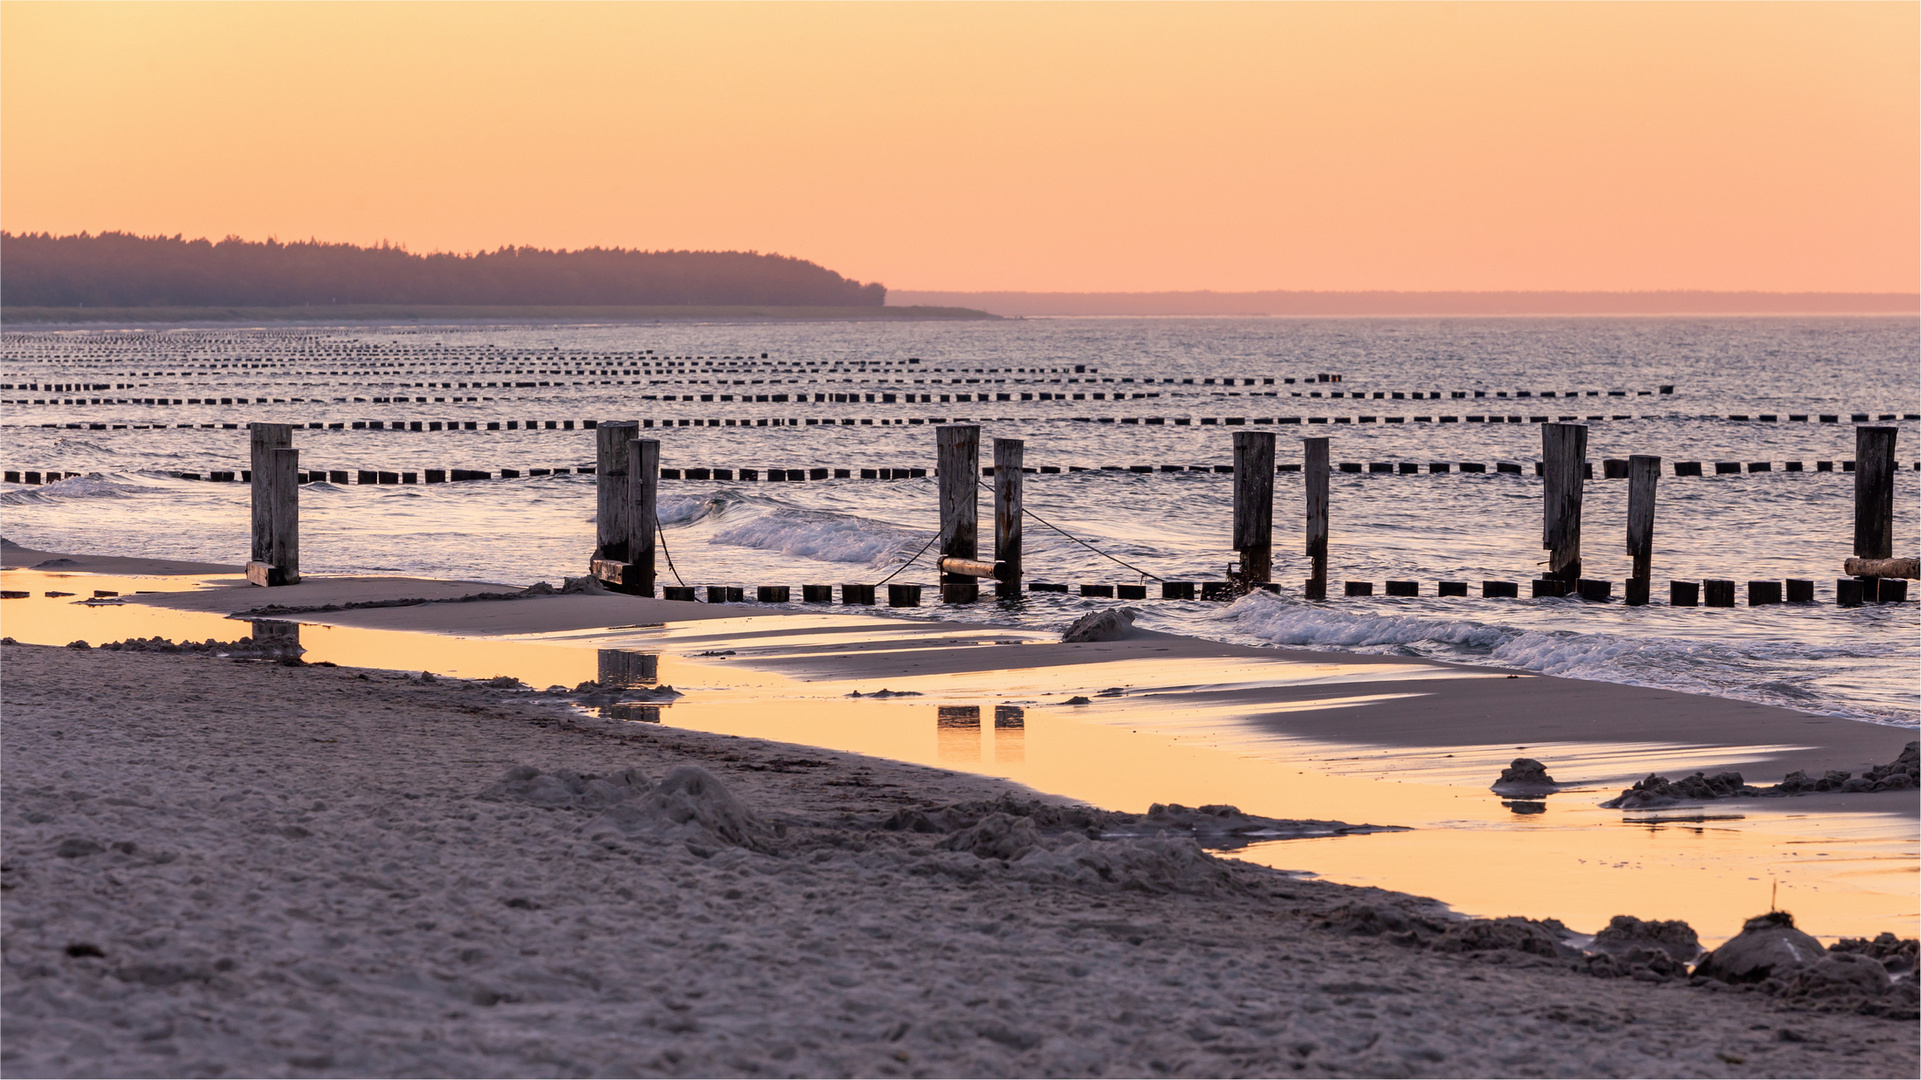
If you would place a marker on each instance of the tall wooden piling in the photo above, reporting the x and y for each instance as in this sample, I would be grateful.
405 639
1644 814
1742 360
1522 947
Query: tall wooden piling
958 449
263 439
610 488
274 553
1644 471
1254 505
1564 467
1874 492
1314 471
283 550
643 492
1009 455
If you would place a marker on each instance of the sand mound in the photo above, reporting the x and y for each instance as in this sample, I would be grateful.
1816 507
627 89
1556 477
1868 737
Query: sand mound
564 789
1155 866
688 805
1768 945
1525 776
1625 934
1511 934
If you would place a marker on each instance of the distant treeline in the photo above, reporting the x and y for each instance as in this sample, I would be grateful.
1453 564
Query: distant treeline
121 270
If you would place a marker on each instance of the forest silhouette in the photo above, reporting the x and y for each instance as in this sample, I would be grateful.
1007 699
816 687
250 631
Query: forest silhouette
114 269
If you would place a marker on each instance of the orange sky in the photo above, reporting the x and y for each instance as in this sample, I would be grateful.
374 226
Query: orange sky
1009 146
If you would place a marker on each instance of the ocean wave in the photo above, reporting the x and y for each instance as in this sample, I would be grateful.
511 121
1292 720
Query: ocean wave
1786 674
90 486
823 536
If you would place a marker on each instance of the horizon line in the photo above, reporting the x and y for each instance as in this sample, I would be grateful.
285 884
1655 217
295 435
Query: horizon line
1540 302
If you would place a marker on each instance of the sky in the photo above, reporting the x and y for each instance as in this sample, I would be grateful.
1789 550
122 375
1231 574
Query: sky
1077 147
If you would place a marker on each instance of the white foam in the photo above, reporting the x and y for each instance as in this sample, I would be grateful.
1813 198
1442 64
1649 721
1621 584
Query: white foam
827 537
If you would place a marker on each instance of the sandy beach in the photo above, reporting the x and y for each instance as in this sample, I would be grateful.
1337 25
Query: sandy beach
220 867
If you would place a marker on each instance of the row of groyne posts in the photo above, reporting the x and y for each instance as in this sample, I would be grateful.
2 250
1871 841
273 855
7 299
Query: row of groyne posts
627 527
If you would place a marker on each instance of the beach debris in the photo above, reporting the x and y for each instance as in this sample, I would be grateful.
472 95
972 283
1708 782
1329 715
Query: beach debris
564 789
883 692
1903 773
1108 624
588 585
1768 945
505 682
80 645
691 805
1525 776
425 678
242 647
1078 699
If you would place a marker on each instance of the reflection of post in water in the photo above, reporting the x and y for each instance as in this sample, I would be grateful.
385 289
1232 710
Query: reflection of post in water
958 731
624 669
1010 734
621 669
276 637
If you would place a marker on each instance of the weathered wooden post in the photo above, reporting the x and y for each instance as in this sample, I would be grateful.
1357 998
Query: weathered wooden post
274 557
958 457
1009 455
1564 461
1314 472
1874 492
1254 505
610 489
1643 472
643 490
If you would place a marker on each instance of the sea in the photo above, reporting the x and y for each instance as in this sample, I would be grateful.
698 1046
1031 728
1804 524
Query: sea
1127 424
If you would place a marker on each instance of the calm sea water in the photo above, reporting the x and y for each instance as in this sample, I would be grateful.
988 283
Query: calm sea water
1750 525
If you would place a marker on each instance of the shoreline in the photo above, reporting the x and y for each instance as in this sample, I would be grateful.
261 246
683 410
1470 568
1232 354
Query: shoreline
203 879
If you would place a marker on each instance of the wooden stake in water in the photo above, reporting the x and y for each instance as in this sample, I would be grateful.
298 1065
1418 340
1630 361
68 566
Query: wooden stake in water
274 552
284 552
1314 473
1254 505
1008 457
610 488
958 456
1874 492
263 440
1564 468
1644 471
643 493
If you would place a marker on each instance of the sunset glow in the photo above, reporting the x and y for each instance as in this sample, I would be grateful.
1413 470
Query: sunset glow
1070 147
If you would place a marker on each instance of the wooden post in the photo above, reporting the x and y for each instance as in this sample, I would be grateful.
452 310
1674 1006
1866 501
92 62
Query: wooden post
1254 505
610 484
1564 461
958 457
643 490
284 552
1314 471
1874 492
1009 455
1643 472
264 439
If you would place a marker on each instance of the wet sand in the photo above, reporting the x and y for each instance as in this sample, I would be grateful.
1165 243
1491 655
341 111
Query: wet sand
1412 702
244 868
